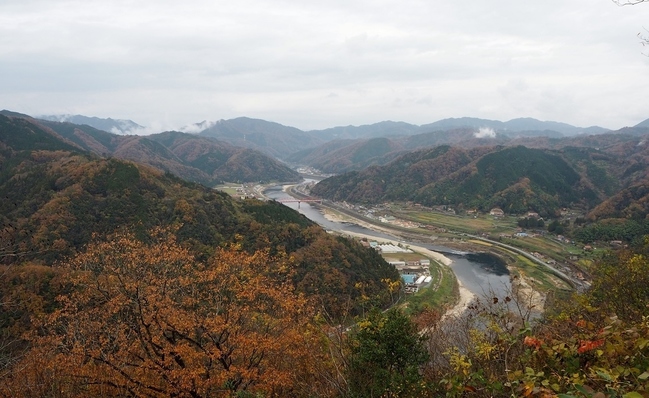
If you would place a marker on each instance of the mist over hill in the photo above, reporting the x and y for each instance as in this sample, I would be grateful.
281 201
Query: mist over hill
115 126
513 126
290 143
199 159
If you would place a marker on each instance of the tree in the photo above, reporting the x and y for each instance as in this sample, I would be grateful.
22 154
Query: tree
556 227
150 320
386 353
620 282
644 40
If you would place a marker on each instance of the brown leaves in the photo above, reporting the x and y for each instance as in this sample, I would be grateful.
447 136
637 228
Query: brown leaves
149 319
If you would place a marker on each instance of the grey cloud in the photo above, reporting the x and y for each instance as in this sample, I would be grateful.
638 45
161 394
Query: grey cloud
170 61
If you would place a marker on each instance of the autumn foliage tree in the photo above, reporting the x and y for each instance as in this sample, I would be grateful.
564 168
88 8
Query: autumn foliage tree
150 320
620 283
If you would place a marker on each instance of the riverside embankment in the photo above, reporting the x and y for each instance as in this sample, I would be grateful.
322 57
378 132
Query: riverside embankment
475 275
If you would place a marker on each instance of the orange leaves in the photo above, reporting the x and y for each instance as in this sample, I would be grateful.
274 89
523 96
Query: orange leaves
152 320
589 345
532 342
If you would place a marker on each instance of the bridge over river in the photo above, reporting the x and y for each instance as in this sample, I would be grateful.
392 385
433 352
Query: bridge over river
298 201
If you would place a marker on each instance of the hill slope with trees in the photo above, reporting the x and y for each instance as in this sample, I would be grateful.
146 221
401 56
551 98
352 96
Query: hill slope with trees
517 179
58 200
199 159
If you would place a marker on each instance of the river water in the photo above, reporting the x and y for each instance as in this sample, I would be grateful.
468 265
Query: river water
482 274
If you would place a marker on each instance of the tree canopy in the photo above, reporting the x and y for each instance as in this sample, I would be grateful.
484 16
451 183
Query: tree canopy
151 320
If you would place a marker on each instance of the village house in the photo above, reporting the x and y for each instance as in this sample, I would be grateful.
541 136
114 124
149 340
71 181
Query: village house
497 212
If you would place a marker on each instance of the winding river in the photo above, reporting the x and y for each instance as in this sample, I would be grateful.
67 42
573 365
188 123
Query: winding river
481 273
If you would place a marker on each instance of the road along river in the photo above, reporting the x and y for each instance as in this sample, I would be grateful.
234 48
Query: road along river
478 274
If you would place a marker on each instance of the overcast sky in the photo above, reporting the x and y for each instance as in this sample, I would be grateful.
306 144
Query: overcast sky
318 64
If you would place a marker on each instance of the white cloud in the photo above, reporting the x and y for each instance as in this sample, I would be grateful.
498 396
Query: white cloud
485 132
197 127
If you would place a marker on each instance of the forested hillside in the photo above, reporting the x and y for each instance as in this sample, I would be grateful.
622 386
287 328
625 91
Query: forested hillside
221 161
199 159
150 319
517 179
400 179
57 200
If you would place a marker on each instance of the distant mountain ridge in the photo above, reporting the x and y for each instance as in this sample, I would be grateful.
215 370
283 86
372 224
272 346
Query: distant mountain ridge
380 129
292 144
512 126
271 138
191 157
115 126
284 141
239 127
339 156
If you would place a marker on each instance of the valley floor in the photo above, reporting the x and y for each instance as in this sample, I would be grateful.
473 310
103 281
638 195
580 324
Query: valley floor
526 293
526 287
465 296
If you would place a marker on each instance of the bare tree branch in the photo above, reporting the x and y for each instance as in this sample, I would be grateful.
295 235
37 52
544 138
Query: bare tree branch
644 37
622 3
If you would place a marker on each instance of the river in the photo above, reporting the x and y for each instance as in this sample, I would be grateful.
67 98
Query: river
482 274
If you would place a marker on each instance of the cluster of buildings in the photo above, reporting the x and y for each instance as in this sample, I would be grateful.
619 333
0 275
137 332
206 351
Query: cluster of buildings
414 273
250 191
412 285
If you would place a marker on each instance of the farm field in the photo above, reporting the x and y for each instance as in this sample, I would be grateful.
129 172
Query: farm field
500 229
466 224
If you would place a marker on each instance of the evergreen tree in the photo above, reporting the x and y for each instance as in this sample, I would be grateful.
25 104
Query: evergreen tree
386 353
